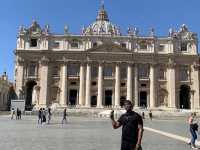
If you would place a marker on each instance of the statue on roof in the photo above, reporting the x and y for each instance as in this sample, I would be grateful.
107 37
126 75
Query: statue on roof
66 29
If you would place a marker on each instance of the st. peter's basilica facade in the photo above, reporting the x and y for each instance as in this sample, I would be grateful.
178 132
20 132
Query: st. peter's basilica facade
101 67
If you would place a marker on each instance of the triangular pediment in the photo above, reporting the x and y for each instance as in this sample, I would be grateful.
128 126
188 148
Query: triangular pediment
109 47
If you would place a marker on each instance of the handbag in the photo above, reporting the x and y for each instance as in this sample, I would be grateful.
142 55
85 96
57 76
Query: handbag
195 126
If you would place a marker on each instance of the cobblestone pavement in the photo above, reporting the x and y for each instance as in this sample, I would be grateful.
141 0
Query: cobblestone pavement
82 134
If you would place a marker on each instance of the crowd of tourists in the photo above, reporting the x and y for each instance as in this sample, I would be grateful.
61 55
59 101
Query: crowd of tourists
44 116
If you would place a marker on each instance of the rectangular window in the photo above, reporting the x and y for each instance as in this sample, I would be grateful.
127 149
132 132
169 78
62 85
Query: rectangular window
184 73
162 73
161 47
32 70
123 73
123 45
33 43
73 70
183 46
108 71
55 71
94 71
143 70
56 45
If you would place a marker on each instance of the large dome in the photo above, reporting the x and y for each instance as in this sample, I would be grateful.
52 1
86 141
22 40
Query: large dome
102 25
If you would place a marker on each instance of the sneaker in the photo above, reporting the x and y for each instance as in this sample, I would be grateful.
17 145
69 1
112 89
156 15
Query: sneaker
194 147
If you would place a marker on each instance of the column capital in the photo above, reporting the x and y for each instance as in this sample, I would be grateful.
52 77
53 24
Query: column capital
130 63
64 61
171 65
20 61
101 62
89 62
44 61
117 63
83 63
196 66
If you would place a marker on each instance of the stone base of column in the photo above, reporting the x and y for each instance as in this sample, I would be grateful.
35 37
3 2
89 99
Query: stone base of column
86 106
195 109
99 107
117 106
137 107
63 105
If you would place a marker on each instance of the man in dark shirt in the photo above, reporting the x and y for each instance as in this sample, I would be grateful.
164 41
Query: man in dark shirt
132 127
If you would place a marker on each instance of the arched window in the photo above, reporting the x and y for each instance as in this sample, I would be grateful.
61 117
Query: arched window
33 42
95 44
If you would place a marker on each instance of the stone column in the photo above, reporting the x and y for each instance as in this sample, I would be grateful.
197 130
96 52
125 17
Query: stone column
192 99
88 86
19 78
195 79
44 82
100 86
129 83
136 100
171 85
152 86
63 94
82 85
117 85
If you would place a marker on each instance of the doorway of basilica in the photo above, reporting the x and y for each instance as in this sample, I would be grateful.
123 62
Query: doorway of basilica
184 97
108 97
94 101
73 97
143 99
28 94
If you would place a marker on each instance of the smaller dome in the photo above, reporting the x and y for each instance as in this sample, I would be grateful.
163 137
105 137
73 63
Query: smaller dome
102 28
102 25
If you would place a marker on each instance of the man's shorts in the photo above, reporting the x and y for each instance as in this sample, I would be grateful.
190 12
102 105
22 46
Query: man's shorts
127 145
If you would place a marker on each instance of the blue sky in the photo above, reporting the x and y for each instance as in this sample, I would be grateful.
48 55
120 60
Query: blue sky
144 14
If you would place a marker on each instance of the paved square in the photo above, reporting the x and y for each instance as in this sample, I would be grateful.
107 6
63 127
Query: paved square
83 133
